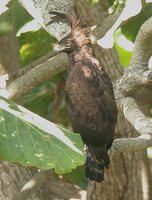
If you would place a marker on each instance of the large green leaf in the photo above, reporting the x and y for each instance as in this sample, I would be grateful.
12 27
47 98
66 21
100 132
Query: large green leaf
30 140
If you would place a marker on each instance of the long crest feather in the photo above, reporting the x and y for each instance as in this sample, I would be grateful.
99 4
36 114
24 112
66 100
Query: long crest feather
78 30
71 20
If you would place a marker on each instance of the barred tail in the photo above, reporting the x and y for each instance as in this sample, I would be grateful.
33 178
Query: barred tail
96 160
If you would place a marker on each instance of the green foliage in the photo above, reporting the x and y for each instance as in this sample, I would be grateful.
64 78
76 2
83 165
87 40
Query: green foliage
116 4
38 102
14 18
132 26
34 45
124 54
111 2
18 14
44 99
77 176
129 30
33 141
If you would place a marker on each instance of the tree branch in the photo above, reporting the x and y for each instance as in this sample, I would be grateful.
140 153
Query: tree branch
130 145
135 77
36 75
136 117
106 24
40 11
142 50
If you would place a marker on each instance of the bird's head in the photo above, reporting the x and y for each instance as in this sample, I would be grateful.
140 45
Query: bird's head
66 45
78 36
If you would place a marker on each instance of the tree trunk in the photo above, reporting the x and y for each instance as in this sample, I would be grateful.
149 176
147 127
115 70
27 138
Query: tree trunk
9 53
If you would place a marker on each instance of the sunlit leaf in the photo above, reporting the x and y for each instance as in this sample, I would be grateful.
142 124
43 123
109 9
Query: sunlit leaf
30 140
132 8
124 48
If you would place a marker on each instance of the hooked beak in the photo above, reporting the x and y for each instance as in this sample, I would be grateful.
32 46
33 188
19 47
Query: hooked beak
60 48
57 48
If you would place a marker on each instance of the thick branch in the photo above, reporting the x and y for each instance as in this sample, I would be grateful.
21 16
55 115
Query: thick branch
136 117
40 11
37 75
135 77
130 144
142 50
106 24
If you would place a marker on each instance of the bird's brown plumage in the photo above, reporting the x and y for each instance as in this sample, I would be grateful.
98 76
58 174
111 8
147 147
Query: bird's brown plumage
89 96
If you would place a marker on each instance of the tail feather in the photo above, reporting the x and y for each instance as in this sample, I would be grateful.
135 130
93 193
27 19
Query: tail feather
96 160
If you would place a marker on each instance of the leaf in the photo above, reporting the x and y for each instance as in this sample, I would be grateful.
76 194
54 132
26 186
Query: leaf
131 27
77 177
34 45
124 48
132 8
30 140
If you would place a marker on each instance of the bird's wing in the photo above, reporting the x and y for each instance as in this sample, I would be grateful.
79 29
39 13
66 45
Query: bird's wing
90 101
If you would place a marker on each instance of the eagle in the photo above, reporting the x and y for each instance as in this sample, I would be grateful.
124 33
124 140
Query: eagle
89 96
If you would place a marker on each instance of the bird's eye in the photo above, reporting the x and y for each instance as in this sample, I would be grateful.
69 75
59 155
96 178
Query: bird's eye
68 42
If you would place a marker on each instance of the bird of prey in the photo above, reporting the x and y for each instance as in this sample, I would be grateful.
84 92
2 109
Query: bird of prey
89 96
